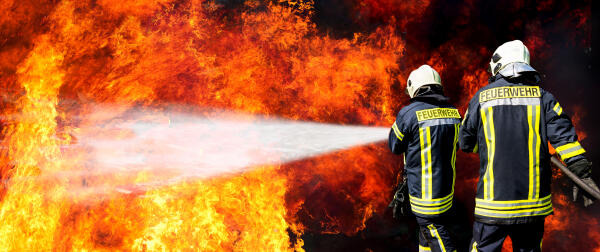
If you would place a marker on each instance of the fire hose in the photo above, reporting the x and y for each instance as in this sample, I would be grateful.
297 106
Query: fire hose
574 178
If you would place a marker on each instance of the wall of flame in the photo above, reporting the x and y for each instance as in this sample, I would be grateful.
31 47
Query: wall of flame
338 61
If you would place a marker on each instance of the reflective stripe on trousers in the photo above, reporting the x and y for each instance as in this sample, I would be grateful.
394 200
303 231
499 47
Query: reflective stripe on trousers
525 237
436 235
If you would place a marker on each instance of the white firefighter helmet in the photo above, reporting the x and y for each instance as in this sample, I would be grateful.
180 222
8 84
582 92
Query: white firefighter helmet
509 52
424 75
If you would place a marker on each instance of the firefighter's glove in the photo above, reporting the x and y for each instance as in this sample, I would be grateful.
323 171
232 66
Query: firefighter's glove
583 169
587 198
400 204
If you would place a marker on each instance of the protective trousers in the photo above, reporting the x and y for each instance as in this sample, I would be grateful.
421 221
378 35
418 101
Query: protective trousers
525 237
434 235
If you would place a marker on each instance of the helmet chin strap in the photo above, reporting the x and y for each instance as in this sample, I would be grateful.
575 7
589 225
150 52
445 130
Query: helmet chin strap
423 90
427 89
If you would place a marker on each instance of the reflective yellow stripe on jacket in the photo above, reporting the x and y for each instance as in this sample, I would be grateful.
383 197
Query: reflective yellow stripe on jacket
455 143
513 208
533 119
557 108
426 164
424 249
487 117
570 150
431 206
397 132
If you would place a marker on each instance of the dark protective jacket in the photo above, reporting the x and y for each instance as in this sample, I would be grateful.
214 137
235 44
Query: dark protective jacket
426 131
510 122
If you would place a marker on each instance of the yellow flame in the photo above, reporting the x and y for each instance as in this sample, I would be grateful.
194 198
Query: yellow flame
31 210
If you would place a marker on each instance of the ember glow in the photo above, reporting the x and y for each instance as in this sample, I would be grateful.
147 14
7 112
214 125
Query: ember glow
110 139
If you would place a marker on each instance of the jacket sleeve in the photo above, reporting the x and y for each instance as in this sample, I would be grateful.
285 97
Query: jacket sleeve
468 130
396 140
560 131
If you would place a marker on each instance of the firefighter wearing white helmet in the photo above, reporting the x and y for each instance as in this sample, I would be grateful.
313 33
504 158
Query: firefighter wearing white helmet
509 122
426 132
421 77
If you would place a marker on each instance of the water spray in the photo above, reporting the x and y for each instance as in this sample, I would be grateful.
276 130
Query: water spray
182 146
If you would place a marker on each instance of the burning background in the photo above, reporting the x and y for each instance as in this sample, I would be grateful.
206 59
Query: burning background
76 75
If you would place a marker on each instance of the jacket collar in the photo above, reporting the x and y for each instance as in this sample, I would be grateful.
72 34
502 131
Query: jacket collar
431 98
529 78
517 73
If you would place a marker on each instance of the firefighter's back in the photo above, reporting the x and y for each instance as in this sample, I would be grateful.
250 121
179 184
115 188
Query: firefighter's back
426 132
515 177
431 154
510 123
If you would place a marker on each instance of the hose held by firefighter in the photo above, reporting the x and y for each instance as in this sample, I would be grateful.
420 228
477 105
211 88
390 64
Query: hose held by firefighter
426 132
509 122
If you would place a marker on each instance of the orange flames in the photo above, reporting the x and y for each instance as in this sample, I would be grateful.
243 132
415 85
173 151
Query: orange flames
265 59
69 68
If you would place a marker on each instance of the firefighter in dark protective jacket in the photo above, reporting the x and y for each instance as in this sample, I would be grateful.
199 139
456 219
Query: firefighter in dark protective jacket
426 131
510 122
